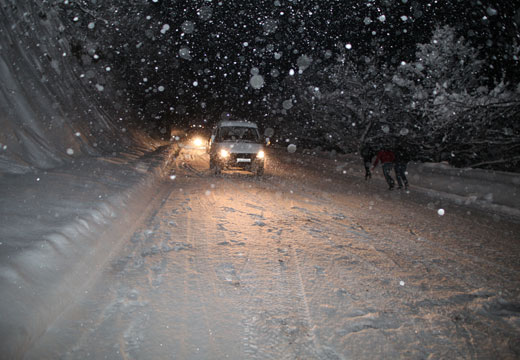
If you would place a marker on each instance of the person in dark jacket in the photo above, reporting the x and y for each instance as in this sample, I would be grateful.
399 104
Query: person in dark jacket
386 157
367 153
402 157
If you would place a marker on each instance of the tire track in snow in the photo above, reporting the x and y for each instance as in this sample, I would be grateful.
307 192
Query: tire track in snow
277 324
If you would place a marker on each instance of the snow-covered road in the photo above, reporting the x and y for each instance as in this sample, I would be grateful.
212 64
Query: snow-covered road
298 264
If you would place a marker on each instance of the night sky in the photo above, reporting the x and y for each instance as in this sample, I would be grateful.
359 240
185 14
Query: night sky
192 60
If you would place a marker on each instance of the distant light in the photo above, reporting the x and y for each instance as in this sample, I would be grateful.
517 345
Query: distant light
260 154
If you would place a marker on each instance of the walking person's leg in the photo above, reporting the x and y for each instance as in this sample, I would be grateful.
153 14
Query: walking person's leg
368 174
400 170
403 175
387 169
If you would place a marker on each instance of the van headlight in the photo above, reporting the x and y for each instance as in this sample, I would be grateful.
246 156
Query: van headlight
260 154
197 142
224 153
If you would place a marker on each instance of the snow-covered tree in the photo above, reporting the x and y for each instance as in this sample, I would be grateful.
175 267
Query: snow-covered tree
456 115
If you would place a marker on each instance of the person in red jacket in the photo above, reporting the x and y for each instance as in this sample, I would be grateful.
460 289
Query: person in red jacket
387 158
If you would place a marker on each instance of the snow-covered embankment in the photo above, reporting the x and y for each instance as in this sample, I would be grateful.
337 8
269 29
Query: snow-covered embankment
60 228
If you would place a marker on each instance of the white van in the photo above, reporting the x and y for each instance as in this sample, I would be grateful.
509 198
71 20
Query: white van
236 145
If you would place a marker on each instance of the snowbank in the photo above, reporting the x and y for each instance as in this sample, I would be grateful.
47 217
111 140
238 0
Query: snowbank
59 228
492 191
496 191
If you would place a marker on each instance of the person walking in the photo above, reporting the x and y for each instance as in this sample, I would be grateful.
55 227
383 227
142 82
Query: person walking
402 157
367 153
387 158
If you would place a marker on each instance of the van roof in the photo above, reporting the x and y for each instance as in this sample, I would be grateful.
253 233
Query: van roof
238 123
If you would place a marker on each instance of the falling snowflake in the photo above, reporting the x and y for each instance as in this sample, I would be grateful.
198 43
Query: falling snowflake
165 28
257 81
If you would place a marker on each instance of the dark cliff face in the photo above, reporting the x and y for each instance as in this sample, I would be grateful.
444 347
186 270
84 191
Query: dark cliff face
53 106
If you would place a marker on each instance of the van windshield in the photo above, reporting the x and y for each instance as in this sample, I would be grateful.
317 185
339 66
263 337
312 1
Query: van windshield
236 133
